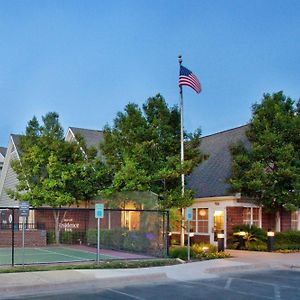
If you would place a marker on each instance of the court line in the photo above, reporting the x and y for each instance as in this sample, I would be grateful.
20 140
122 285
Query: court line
61 254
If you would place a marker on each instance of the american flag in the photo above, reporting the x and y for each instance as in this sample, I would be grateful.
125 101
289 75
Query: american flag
186 77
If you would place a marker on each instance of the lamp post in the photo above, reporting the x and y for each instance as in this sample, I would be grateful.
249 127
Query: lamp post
220 241
270 241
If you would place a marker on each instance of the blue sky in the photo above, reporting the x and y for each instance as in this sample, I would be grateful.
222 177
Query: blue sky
87 59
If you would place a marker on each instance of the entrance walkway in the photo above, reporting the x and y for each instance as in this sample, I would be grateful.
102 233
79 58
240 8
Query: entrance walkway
270 259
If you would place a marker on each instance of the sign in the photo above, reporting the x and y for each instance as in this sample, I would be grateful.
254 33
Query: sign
189 213
99 211
24 209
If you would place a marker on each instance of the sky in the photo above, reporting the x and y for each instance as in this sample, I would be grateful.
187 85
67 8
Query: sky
86 60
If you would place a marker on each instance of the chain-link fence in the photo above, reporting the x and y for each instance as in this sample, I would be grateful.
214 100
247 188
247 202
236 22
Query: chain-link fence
66 235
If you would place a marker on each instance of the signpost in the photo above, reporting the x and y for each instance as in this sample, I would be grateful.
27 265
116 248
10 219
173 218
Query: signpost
99 214
189 217
23 212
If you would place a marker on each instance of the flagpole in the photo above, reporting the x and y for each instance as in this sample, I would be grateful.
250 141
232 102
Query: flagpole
181 155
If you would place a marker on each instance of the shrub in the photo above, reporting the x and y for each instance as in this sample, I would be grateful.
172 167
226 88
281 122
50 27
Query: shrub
50 237
66 237
109 238
198 251
136 241
121 239
254 237
289 240
72 237
202 249
178 252
256 246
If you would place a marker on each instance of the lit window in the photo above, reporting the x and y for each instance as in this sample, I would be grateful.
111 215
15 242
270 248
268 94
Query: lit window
131 220
247 215
199 223
251 216
203 220
294 220
255 216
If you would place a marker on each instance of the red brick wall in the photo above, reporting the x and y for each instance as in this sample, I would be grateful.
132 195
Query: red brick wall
234 216
81 219
268 220
195 239
33 238
285 220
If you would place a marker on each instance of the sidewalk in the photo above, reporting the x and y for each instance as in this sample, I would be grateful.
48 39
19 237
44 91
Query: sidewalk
36 282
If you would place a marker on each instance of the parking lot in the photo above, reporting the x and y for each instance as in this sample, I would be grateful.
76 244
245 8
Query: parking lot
270 284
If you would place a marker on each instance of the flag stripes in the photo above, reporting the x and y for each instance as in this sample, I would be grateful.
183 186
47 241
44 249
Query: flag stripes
186 77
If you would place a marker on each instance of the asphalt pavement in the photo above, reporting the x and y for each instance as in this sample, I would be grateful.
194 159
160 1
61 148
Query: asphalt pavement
37 283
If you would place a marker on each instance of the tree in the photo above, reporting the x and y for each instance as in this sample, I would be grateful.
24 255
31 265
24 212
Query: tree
54 172
142 149
269 172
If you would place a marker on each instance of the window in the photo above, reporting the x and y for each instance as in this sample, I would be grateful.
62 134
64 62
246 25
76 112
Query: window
199 222
294 220
247 215
131 219
251 216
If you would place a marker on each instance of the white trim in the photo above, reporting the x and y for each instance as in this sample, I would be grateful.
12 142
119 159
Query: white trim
83 152
16 150
70 130
11 150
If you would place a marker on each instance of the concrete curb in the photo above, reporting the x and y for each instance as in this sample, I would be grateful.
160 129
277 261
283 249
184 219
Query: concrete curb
241 267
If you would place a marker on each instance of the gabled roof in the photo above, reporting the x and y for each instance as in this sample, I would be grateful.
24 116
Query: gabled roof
209 178
3 151
16 139
92 137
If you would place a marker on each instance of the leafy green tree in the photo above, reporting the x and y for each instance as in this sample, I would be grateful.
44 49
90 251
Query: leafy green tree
54 172
142 150
269 172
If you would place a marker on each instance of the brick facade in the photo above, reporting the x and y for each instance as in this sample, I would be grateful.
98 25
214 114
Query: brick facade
234 216
197 238
33 238
79 220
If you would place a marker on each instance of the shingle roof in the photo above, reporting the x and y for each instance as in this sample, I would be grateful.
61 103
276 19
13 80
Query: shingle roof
209 178
3 151
91 137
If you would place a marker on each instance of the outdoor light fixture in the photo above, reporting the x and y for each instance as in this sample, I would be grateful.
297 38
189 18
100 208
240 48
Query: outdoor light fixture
205 249
192 234
202 212
218 213
270 241
221 241
220 235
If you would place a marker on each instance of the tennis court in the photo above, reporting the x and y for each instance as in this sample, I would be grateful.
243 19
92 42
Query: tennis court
48 255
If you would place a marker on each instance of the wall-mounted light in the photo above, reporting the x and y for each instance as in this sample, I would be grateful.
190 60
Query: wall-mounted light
218 213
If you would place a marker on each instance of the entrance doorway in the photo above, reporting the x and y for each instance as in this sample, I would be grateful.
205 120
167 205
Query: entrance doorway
218 223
